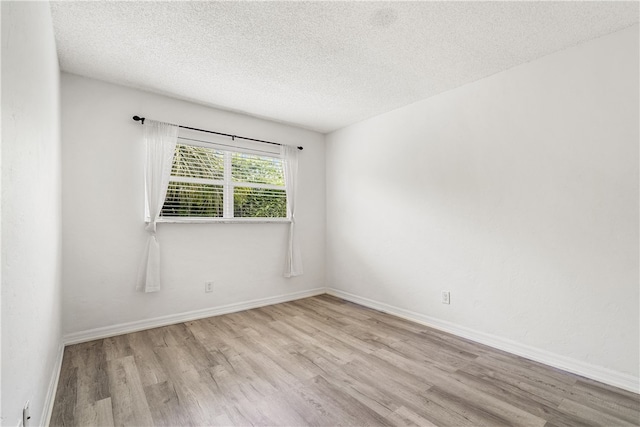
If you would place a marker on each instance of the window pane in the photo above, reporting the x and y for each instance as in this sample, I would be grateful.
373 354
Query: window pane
198 162
259 203
256 169
193 200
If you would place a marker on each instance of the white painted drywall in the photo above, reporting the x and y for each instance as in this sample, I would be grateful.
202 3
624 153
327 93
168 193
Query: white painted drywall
31 214
0 237
103 213
517 193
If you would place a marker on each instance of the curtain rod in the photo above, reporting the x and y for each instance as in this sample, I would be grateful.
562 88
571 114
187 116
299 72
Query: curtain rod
233 137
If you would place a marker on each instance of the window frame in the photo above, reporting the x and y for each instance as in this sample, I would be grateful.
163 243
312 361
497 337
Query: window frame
228 186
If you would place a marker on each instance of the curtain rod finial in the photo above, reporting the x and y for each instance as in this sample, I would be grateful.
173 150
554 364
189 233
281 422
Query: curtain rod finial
138 119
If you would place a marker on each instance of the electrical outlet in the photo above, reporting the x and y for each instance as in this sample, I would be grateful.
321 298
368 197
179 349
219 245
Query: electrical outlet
208 286
26 416
446 297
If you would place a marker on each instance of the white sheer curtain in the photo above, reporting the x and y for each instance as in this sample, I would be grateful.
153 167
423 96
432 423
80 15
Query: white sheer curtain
293 262
160 143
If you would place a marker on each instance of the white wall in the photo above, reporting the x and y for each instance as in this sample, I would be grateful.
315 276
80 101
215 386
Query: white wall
518 193
103 208
30 209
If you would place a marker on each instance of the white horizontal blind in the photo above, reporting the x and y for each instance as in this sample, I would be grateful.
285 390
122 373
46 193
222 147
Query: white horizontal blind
193 200
213 183
196 162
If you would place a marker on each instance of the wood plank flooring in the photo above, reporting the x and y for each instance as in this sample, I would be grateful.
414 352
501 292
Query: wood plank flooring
320 361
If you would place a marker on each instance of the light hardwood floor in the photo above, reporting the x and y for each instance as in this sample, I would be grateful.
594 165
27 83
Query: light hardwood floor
320 361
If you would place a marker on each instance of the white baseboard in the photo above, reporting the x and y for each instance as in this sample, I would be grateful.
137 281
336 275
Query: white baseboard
607 376
125 328
47 408
598 373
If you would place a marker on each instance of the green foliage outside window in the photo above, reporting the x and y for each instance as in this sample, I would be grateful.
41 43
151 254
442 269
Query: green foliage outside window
205 198
258 202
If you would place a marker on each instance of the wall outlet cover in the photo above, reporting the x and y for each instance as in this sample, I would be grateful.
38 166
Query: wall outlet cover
446 297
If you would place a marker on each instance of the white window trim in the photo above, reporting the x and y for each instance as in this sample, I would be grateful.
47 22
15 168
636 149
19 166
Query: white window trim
205 220
227 203
228 186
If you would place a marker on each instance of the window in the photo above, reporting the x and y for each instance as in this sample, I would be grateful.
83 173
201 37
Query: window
216 183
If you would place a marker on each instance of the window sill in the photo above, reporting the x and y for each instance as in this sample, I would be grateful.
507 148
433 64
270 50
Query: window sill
184 220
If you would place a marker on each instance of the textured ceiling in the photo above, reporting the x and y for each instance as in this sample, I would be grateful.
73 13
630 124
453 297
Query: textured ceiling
319 65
